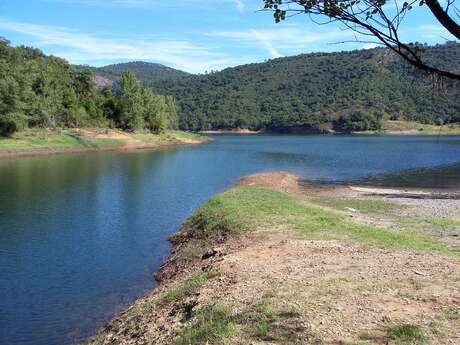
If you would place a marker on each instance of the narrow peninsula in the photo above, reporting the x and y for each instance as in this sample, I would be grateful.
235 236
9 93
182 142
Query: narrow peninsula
272 260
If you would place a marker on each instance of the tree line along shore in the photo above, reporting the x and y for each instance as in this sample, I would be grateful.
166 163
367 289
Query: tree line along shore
347 92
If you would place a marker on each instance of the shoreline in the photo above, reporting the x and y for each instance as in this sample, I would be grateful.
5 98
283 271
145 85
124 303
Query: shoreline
51 152
239 131
211 269
402 133
389 128
124 143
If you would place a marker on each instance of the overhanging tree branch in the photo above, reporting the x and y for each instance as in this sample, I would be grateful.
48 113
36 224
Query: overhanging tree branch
377 18
443 17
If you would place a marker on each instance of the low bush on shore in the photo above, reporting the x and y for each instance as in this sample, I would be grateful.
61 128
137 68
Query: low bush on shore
212 324
406 334
192 284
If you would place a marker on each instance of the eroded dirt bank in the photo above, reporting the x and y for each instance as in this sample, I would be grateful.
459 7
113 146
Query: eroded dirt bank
274 262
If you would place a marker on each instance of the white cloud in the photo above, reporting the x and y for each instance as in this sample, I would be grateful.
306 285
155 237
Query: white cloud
434 31
239 5
266 42
151 4
140 4
370 45
81 48
281 38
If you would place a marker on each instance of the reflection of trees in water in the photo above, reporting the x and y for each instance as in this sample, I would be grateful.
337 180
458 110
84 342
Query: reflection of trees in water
79 181
135 180
26 182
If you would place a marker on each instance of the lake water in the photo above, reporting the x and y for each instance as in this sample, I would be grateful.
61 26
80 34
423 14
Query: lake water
81 235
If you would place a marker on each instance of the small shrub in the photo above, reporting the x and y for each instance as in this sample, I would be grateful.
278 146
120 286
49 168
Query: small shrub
11 123
260 328
190 286
214 220
406 334
211 324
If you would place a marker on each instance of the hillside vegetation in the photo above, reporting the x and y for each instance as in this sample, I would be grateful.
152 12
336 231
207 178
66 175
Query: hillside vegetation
47 92
144 71
346 90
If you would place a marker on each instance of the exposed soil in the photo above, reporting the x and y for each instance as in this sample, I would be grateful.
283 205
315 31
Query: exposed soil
230 131
281 181
323 292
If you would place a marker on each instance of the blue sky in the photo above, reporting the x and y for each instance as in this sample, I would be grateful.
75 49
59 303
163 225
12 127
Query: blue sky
191 35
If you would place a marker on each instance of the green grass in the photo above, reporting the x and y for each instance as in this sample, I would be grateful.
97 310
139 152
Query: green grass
406 334
422 129
42 139
243 208
267 322
259 323
452 313
196 280
168 136
217 323
33 139
212 324
362 205
445 223
180 135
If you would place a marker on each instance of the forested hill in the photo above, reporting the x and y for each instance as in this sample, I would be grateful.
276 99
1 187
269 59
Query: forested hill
317 89
144 71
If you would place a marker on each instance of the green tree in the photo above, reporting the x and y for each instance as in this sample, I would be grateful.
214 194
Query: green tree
172 120
154 111
131 103
357 121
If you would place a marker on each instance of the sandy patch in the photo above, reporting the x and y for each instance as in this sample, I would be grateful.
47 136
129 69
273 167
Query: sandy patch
281 181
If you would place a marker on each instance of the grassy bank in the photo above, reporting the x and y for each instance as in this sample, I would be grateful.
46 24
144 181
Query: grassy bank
44 141
269 263
244 208
415 128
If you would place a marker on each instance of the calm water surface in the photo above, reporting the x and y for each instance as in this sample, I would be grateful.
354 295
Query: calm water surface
81 235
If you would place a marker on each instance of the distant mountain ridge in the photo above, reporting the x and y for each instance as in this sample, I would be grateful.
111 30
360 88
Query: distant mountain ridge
144 71
308 90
